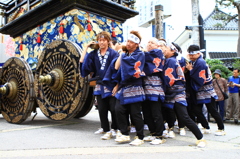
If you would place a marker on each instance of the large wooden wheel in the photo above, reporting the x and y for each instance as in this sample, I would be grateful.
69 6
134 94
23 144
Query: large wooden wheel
61 91
87 105
17 92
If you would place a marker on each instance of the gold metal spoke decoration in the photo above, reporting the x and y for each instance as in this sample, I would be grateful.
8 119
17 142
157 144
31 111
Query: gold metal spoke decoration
61 91
17 92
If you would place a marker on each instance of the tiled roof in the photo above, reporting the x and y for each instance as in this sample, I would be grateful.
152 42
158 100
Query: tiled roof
209 23
217 55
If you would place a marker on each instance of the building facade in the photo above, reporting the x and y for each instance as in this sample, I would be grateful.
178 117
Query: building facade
220 39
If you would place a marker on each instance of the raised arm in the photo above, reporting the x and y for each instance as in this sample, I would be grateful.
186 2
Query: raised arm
118 62
85 51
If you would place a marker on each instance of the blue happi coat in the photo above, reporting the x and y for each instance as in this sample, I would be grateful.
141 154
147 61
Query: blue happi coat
201 81
92 64
129 77
175 80
181 61
111 74
153 69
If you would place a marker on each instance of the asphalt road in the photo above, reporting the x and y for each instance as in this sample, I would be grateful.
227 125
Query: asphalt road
75 138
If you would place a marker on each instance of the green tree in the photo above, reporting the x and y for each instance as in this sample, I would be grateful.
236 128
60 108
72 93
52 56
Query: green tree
212 62
234 4
236 64
218 64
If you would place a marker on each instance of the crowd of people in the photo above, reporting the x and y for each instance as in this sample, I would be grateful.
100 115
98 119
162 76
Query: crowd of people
156 87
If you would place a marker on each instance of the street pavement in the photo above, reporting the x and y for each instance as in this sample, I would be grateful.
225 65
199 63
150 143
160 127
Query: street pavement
75 138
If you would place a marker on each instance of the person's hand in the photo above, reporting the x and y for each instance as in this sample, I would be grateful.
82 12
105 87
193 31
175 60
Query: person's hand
85 51
114 91
111 45
189 66
230 84
90 43
235 84
118 47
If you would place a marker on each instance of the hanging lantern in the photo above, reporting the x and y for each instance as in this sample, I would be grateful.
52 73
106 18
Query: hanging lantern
61 29
89 27
39 38
21 46
113 31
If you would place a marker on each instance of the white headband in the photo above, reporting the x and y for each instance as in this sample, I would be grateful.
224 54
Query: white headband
195 52
156 40
163 42
173 47
134 38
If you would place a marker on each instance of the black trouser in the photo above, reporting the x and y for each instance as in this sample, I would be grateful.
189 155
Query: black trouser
135 112
180 123
169 116
211 107
152 114
190 113
105 105
190 109
182 114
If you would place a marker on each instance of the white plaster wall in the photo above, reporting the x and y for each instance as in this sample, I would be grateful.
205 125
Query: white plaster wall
185 46
216 41
221 42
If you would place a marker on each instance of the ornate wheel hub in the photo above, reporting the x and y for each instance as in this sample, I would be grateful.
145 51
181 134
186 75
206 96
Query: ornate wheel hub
55 79
10 89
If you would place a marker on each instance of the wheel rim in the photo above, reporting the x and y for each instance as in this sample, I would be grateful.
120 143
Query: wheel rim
17 92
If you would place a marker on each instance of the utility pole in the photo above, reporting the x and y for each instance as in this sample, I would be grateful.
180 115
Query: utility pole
195 24
159 21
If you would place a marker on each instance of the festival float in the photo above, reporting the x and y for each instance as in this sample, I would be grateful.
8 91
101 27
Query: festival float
48 37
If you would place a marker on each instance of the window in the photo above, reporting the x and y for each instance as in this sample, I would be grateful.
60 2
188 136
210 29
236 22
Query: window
151 9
